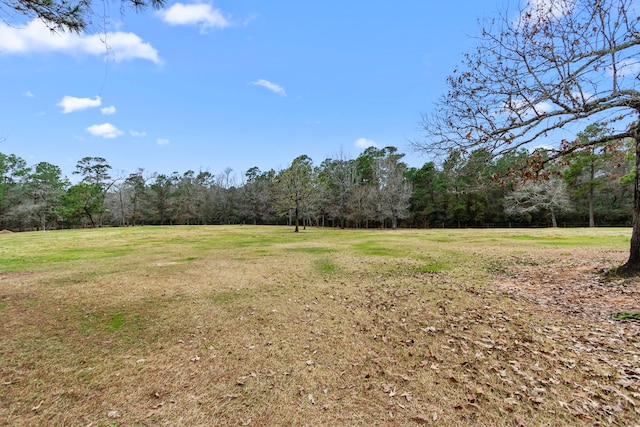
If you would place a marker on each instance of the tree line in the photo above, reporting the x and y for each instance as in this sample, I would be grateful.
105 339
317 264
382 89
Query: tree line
376 189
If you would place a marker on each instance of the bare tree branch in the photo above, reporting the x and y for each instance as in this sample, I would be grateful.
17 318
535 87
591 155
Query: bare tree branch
547 70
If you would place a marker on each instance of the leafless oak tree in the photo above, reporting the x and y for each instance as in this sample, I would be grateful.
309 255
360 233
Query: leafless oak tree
540 73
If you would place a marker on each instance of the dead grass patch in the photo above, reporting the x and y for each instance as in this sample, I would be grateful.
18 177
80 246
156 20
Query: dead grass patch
260 326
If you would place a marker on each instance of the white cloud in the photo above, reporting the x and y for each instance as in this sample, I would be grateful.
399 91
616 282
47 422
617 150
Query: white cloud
364 143
71 103
122 47
105 130
545 10
626 68
544 107
28 94
108 110
137 134
201 14
36 37
162 141
271 86
526 108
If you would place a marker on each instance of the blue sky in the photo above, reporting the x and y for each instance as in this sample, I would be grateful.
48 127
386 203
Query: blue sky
211 85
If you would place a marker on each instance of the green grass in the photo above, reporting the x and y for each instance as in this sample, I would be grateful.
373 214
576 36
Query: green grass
111 321
326 267
379 248
433 267
574 237
314 250
625 315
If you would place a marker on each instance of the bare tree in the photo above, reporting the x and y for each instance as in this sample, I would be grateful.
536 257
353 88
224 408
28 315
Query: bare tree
558 66
544 194
163 191
139 194
393 190
339 178
226 196
256 194
295 186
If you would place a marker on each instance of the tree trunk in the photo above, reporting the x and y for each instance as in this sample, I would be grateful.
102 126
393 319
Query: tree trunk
632 266
296 219
554 223
90 216
592 221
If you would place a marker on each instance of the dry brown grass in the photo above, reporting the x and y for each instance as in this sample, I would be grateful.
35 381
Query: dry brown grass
199 326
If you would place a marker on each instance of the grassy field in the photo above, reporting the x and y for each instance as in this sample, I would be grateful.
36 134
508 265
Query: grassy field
260 326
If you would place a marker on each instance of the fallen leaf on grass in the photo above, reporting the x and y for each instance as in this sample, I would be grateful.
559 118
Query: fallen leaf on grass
511 401
421 418
407 396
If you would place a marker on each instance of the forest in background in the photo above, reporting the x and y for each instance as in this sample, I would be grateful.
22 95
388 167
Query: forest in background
593 187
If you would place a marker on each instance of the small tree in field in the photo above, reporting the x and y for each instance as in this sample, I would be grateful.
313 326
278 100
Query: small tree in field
538 75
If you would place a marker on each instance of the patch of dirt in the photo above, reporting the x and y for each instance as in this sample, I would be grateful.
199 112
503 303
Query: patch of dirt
5 231
582 304
15 275
577 289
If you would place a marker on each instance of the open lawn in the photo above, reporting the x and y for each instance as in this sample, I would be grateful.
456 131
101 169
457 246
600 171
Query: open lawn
260 326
